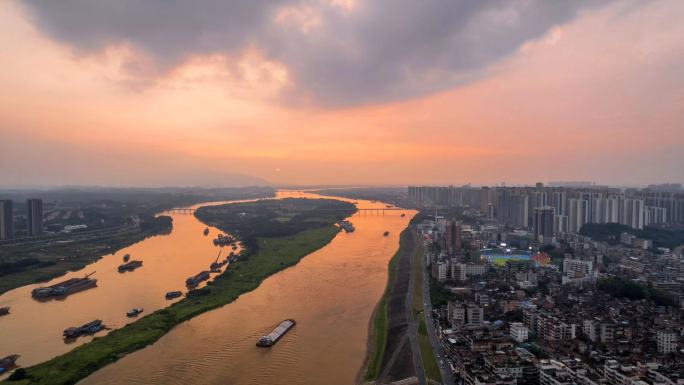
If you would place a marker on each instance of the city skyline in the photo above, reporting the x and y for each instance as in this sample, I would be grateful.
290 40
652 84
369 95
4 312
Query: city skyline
570 92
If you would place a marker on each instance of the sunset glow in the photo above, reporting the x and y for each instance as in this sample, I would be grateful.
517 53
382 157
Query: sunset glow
596 96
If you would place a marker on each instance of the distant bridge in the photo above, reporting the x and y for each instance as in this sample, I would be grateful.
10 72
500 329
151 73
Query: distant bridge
369 211
186 211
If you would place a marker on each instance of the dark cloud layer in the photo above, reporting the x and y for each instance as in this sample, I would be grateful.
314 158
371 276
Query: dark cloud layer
380 50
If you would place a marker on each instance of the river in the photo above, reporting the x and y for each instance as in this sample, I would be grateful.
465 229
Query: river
331 294
34 328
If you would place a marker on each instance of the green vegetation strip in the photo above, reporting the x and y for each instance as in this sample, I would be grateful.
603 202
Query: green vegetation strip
271 255
381 319
428 356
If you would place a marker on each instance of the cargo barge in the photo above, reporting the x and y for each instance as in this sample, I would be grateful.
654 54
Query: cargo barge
129 266
194 281
173 294
134 312
90 328
276 334
70 286
8 363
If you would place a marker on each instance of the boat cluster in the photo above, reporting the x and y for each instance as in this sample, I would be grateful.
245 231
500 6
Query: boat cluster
74 285
225 240
90 328
347 226
194 281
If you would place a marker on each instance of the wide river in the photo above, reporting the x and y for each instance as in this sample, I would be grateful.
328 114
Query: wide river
331 294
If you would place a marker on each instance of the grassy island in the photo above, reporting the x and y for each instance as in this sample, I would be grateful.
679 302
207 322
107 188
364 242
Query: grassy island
276 233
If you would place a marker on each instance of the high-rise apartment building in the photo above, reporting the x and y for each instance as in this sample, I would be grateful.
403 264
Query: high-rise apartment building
544 218
632 213
34 217
452 237
575 205
6 220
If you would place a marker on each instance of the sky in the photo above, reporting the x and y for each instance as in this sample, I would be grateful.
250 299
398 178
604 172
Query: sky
219 93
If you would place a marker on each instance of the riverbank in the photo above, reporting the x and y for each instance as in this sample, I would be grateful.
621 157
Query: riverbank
48 262
270 255
390 356
377 326
116 219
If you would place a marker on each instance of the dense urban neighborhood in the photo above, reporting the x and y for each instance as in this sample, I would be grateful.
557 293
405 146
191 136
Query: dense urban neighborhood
556 285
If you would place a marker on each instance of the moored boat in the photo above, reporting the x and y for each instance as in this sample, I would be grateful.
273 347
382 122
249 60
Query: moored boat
173 294
4 310
347 226
129 266
91 327
216 266
134 312
224 240
126 257
8 363
386 233
195 280
206 231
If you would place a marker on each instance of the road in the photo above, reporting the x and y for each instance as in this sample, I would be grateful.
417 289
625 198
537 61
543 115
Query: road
412 324
447 375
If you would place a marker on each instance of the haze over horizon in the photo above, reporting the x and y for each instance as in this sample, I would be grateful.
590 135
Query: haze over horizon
340 92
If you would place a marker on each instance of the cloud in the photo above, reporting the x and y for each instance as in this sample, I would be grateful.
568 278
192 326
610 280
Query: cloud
336 53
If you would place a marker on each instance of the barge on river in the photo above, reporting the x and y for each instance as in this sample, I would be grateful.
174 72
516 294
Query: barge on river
70 286
90 328
129 266
195 280
276 334
173 294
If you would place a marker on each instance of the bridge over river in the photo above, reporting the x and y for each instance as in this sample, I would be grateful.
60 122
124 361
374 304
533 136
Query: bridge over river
363 211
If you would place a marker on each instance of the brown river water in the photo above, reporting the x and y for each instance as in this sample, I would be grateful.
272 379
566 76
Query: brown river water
331 294
34 328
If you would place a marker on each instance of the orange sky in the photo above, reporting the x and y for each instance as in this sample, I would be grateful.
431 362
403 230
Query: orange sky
599 98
